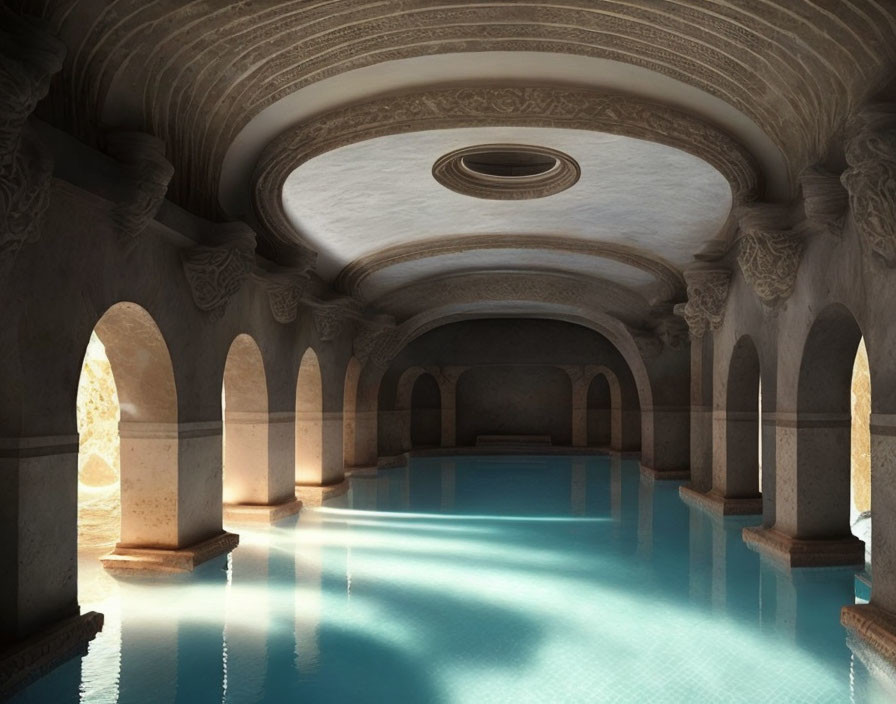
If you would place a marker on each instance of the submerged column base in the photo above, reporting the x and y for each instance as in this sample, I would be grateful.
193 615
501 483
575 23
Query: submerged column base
126 560
24 662
794 552
874 627
261 513
314 495
665 474
719 505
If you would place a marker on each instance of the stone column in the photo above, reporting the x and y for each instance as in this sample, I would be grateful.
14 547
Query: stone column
579 406
447 379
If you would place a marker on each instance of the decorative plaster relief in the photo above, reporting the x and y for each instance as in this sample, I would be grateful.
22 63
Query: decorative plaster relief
770 251
376 344
285 287
331 317
30 57
516 105
707 295
216 271
147 173
871 177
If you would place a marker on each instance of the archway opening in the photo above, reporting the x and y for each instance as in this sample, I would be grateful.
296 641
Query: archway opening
309 421
426 413
99 452
350 412
825 429
742 425
860 446
244 409
127 426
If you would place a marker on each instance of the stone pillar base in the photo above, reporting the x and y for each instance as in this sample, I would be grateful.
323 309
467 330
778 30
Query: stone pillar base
719 505
873 626
793 552
130 561
369 471
265 514
26 661
312 495
665 474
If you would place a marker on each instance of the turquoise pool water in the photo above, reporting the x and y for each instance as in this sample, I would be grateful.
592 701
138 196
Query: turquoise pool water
482 579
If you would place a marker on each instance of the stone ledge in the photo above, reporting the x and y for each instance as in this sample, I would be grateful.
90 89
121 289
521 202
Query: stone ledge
313 496
793 552
261 513
719 505
873 625
130 561
655 475
24 662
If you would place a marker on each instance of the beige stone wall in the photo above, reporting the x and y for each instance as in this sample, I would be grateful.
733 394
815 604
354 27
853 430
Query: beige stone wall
99 455
861 432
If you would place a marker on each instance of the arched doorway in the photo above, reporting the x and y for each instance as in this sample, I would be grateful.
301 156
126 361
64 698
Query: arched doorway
426 412
244 402
824 433
127 358
737 471
349 412
309 421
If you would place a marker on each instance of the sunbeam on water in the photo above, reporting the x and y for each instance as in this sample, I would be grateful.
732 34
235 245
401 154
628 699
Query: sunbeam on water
476 580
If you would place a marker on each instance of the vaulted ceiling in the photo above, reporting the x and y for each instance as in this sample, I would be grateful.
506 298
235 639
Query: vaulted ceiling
319 123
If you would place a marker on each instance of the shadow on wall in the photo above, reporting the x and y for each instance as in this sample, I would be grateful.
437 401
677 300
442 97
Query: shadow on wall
514 400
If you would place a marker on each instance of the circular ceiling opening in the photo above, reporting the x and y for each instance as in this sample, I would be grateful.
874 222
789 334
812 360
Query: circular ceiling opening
506 171
502 163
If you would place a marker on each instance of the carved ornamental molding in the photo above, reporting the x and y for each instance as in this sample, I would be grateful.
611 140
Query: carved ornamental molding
769 251
29 56
707 295
147 173
376 344
330 317
217 270
871 178
512 105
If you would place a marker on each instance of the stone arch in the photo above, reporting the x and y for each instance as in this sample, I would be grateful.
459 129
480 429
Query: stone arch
604 423
350 412
244 400
309 421
148 430
824 425
736 450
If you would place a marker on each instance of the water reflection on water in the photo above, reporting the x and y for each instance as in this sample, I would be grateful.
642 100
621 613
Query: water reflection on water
477 580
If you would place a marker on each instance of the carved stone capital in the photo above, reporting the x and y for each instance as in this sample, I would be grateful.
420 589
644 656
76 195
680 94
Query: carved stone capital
770 251
285 287
707 295
648 344
146 176
376 344
871 178
29 56
330 318
217 270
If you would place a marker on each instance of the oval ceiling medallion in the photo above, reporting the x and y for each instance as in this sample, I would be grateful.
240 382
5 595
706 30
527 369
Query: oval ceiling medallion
506 171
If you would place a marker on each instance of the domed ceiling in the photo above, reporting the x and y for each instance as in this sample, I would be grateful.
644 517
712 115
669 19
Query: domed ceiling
319 123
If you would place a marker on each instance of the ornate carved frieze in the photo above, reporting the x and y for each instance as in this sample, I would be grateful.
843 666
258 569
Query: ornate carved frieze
29 56
376 344
146 176
871 178
217 270
330 317
707 295
769 251
509 105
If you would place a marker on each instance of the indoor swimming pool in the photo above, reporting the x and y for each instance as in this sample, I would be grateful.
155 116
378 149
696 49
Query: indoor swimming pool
477 579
